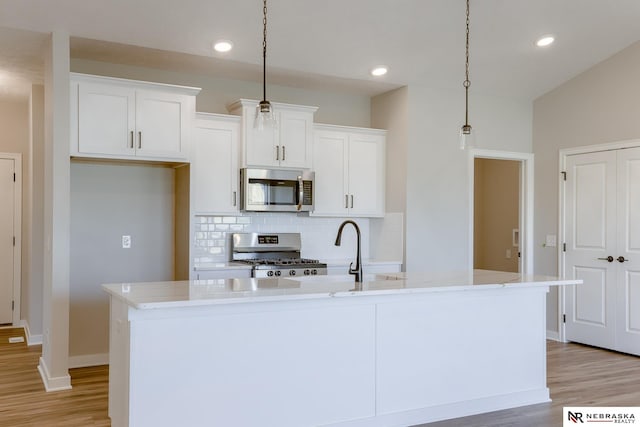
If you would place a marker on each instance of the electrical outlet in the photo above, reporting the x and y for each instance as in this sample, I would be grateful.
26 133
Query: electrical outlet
507 255
126 242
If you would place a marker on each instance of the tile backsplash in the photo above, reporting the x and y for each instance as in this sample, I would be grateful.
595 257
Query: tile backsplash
213 235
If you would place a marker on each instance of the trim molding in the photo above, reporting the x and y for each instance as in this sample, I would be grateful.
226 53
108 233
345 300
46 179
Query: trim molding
53 383
553 335
31 339
86 360
453 410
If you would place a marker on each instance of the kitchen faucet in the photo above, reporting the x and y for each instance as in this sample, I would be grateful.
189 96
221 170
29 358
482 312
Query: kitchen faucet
357 271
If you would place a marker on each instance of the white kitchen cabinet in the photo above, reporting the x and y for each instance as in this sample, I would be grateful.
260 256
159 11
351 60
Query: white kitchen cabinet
125 119
214 164
289 145
349 165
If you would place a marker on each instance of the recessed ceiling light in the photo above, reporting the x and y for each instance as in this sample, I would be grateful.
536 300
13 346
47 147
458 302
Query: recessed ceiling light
378 71
545 41
223 46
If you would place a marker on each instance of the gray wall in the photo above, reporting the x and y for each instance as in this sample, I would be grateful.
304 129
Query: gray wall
437 221
108 201
598 106
217 93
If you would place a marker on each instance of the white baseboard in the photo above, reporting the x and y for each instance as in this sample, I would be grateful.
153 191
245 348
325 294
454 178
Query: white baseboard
452 410
86 360
31 339
53 383
553 335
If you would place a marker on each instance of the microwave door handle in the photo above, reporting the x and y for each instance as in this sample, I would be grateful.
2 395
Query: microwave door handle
300 192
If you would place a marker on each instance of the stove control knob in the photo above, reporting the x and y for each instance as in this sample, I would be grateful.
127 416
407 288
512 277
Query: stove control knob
278 273
292 272
269 273
314 271
307 272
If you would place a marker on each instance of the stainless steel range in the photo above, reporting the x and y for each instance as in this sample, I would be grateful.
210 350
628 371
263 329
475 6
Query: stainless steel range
274 255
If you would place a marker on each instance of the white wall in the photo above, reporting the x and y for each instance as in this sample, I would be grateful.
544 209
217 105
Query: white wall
14 122
437 237
217 93
598 106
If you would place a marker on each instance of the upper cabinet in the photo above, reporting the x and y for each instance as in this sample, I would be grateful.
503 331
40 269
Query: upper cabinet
289 145
125 119
349 165
214 164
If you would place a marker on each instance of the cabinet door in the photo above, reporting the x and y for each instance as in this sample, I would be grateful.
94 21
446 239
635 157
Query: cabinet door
330 166
214 167
366 175
106 118
260 147
295 139
162 121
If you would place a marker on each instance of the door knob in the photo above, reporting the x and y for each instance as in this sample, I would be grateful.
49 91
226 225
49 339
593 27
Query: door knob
609 258
621 259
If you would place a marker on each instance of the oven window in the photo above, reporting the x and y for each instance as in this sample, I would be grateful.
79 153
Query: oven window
272 192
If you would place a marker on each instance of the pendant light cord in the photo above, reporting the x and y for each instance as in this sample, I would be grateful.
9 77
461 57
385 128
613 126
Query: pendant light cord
264 51
466 82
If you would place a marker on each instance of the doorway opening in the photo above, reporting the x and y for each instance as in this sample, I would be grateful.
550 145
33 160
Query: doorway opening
496 228
501 211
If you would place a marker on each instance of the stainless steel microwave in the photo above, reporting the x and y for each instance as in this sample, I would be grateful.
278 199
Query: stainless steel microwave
276 190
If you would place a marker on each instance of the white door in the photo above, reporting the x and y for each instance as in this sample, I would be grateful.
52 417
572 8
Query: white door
628 298
603 249
106 119
7 196
161 124
591 238
330 165
214 167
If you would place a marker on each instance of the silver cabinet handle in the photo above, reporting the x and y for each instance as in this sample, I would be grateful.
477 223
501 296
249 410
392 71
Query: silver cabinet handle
139 139
131 139
346 201
352 201
283 154
277 152
235 201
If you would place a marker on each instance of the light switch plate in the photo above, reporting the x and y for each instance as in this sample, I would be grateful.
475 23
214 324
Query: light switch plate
126 242
550 241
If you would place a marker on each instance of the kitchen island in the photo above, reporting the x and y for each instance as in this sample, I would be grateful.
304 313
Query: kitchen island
396 350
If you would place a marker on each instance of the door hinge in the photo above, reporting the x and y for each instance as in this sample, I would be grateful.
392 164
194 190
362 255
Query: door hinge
564 247
564 318
564 175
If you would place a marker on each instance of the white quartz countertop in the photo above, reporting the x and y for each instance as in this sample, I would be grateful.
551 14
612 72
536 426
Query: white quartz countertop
153 295
211 266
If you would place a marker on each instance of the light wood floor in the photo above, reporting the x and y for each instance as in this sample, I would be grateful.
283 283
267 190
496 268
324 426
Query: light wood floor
577 375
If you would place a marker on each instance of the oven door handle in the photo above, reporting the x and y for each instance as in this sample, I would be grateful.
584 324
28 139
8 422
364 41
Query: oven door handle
300 192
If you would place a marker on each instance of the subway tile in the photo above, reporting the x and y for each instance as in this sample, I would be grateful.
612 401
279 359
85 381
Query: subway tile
243 220
229 220
215 251
222 227
236 227
217 220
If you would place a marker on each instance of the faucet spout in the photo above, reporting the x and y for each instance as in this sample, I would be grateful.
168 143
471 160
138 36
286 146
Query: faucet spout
357 270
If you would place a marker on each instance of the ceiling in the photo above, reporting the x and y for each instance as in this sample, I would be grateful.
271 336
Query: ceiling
331 44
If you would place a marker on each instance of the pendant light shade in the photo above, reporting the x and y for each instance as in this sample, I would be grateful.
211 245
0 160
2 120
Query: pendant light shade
265 117
467 135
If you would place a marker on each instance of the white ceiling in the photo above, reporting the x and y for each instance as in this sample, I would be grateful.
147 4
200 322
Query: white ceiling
334 43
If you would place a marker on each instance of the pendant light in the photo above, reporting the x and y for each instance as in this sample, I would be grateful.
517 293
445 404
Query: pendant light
467 136
265 117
